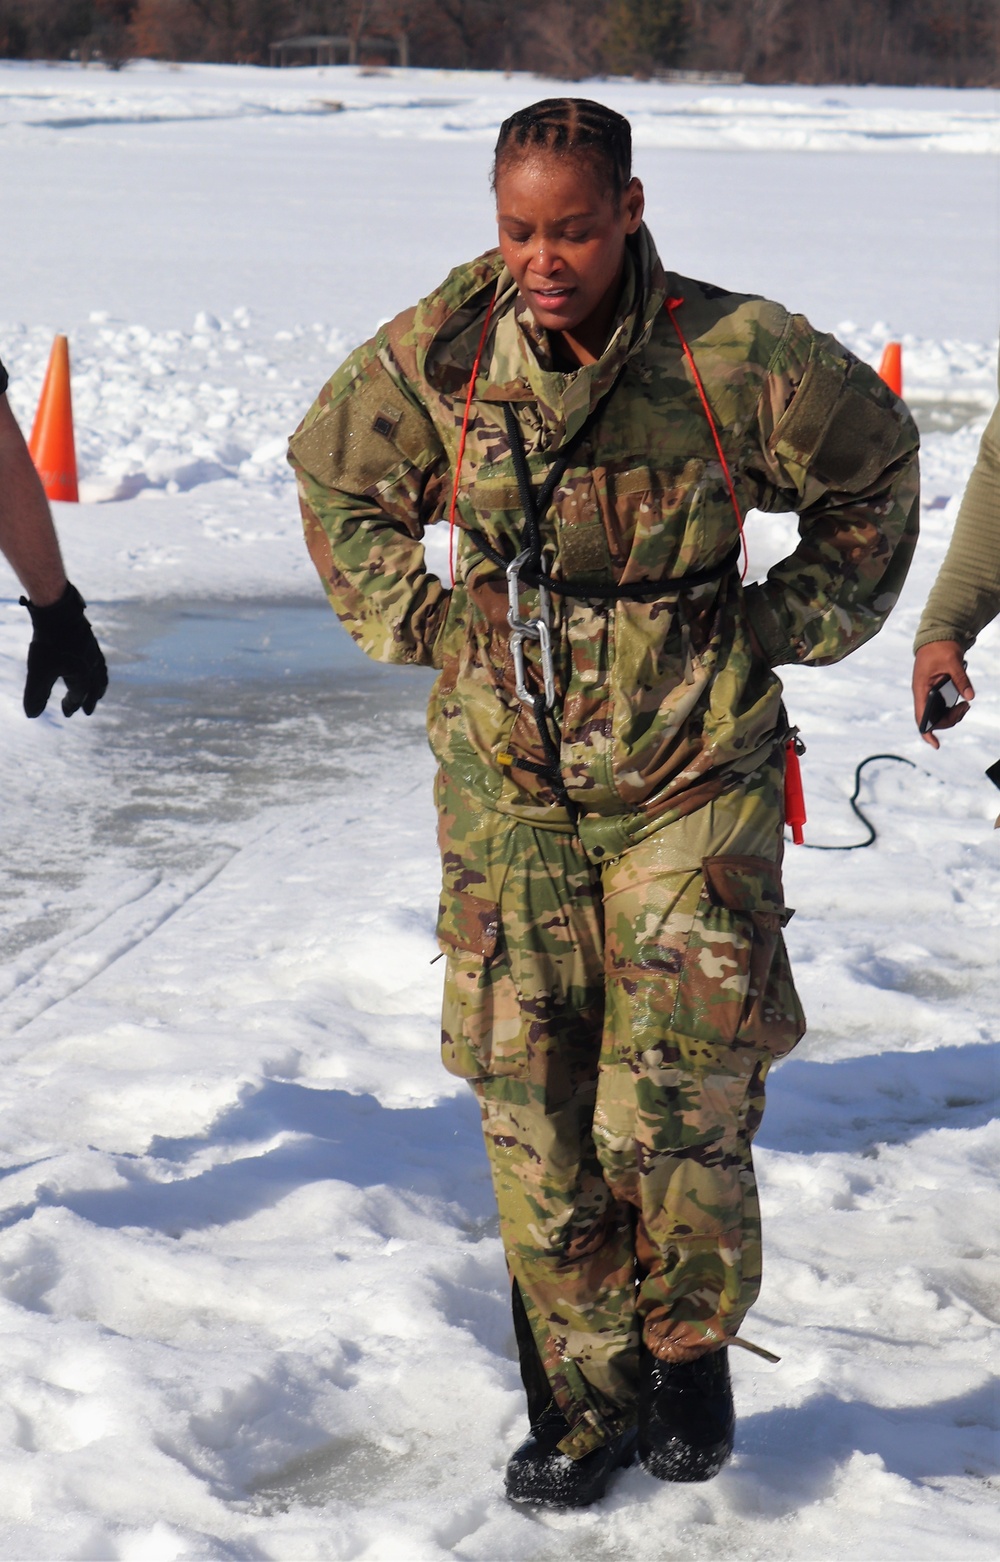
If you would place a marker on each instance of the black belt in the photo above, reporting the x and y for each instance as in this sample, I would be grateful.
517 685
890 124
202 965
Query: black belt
613 591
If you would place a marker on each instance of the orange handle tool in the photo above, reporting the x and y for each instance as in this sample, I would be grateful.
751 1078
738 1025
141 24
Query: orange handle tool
795 803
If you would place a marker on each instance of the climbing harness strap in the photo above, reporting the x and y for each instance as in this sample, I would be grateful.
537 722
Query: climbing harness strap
530 560
527 568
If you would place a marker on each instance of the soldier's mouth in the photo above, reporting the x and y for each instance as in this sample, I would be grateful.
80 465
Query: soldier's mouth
552 298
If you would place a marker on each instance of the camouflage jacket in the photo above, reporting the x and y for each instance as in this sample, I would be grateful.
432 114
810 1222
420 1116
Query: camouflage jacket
661 704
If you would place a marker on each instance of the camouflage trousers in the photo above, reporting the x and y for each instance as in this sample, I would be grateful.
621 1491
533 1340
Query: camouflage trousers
617 1020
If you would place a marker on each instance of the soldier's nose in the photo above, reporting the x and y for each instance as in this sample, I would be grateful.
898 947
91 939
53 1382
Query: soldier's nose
545 262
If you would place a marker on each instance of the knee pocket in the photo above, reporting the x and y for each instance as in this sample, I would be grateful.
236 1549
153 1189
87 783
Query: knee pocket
713 970
523 995
701 1102
481 1031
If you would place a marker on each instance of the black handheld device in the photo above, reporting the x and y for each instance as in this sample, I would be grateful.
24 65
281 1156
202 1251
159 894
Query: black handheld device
939 702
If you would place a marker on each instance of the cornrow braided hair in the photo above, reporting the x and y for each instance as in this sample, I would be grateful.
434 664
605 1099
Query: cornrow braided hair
570 127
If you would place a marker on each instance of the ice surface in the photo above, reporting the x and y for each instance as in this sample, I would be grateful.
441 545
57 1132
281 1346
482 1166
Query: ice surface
252 1296
309 211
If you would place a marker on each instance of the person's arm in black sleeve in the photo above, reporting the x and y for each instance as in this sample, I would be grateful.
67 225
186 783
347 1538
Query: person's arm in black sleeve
63 643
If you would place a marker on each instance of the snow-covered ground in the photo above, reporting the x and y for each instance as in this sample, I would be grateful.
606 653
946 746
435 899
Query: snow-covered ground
251 1292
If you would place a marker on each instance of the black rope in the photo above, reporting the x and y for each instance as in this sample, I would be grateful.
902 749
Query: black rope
854 846
534 507
533 573
532 539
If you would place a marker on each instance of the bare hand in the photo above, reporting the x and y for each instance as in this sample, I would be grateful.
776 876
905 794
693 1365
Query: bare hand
934 662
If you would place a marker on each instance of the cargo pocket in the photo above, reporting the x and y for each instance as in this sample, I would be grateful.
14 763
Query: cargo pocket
481 1018
735 985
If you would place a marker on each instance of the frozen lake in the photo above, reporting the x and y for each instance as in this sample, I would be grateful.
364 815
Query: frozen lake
253 1301
220 711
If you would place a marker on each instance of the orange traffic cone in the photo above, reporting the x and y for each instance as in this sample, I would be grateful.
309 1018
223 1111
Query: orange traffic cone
51 444
891 367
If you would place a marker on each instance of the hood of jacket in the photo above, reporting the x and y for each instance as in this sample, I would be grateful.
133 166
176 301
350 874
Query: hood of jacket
515 365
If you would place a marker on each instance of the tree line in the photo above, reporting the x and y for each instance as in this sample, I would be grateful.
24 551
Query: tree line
945 42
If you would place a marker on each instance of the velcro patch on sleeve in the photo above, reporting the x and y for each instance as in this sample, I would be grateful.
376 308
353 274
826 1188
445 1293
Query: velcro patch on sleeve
859 442
837 428
362 438
800 431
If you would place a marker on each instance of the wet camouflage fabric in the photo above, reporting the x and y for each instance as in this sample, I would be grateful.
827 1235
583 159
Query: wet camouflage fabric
615 993
617 1019
660 704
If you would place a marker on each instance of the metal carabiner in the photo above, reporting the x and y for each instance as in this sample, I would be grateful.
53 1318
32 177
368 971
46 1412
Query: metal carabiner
523 629
538 631
514 618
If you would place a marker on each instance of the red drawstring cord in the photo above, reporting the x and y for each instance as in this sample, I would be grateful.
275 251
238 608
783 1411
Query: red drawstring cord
670 305
461 443
795 807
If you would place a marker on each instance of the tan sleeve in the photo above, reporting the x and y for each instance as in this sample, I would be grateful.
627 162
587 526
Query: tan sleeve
966 595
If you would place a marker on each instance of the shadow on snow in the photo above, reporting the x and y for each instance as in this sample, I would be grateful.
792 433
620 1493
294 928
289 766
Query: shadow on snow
918 1442
324 1135
882 1098
436 1151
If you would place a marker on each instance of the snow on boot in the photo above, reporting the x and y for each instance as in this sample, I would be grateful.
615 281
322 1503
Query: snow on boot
686 1417
538 1473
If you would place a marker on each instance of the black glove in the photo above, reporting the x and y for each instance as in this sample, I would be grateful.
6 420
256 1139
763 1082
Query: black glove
63 646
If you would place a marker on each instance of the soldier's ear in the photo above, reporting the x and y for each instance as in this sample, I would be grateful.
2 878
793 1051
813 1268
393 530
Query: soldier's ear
633 204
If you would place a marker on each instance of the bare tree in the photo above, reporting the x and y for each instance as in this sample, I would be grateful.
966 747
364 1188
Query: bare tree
645 34
955 42
564 38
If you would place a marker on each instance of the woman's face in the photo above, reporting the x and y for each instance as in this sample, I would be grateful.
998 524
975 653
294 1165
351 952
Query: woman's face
562 235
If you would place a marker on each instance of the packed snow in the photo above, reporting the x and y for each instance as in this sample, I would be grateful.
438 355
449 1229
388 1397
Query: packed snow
253 1299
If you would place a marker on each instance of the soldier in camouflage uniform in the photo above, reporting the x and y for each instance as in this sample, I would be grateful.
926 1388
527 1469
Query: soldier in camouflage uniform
617 984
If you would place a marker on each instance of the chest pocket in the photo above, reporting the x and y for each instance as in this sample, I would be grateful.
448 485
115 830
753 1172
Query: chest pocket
665 520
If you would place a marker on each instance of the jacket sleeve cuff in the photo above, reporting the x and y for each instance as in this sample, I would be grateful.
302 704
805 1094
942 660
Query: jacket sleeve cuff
767 627
926 636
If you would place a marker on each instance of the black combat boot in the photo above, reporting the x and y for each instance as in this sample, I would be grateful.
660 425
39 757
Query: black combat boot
686 1418
538 1473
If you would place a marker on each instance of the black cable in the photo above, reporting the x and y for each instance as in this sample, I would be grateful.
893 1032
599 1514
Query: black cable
854 846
